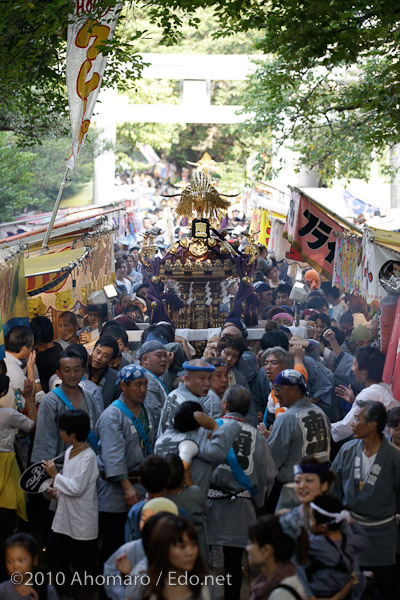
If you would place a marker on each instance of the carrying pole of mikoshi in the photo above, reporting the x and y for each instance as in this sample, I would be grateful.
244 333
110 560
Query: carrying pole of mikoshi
64 183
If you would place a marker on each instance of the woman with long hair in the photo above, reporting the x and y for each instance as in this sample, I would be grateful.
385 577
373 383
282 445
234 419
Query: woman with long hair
359 309
175 568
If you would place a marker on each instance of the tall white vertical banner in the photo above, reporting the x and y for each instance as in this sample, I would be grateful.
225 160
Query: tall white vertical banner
85 64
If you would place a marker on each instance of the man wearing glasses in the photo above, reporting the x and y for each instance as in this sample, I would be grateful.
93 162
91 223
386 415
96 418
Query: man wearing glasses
302 430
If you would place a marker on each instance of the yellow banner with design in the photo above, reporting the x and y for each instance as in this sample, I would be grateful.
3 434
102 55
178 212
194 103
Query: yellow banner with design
13 305
261 224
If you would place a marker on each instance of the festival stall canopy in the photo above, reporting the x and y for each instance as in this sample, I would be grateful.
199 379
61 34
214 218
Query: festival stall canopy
48 271
311 230
69 271
266 203
364 265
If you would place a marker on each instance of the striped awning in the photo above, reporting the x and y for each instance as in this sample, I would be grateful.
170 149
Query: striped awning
49 272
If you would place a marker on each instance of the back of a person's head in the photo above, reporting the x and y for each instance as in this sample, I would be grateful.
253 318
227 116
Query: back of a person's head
329 504
357 304
77 422
116 331
329 290
154 473
163 332
371 360
184 416
177 470
18 338
4 384
318 303
271 339
42 329
268 530
346 317
237 399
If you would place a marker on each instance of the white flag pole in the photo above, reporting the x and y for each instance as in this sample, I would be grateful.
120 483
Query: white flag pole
85 64
64 183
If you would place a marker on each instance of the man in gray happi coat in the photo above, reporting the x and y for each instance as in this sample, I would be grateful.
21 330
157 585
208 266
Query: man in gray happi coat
126 433
99 370
70 370
195 387
300 431
368 484
189 417
153 357
237 487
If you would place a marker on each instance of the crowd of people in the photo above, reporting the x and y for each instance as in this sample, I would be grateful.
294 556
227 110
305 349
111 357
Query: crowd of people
164 466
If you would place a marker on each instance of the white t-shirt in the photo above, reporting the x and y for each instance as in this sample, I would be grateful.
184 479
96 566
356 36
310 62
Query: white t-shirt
77 508
10 421
16 375
367 462
337 311
378 392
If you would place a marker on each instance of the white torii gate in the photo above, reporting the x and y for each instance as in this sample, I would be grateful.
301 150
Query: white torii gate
195 72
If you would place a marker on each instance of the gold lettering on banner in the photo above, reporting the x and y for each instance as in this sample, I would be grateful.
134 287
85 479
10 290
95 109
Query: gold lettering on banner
99 33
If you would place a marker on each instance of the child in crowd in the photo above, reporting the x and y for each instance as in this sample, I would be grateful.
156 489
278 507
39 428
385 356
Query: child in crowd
27 582
74 532
186 495
334 546
154 473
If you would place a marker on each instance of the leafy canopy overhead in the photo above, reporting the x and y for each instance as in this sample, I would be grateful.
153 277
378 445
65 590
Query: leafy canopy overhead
331 88
332 82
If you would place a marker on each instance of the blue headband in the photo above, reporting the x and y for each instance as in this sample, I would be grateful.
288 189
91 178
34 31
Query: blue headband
131 372
291 377
317 469
188 367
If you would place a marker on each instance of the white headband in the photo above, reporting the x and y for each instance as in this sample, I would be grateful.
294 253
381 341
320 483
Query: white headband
343 515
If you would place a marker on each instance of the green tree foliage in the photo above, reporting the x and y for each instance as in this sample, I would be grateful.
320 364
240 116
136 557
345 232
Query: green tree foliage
331 85
32 176
33 98
15 178
332 82
229 145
